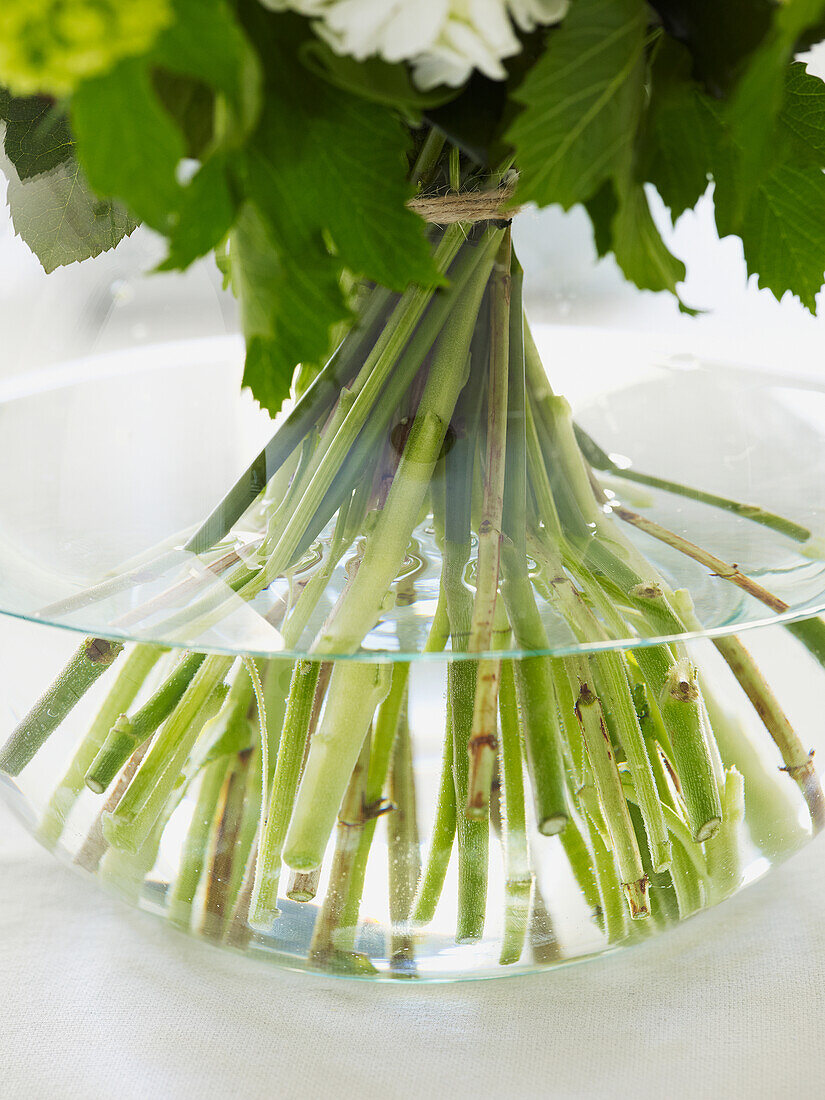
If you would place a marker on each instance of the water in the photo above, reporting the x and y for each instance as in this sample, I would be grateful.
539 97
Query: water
561 923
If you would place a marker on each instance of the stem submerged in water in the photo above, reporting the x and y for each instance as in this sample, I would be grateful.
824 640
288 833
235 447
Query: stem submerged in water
87 665
264 906
130 680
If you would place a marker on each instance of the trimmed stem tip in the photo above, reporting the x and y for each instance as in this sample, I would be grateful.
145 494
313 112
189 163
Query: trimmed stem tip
638 898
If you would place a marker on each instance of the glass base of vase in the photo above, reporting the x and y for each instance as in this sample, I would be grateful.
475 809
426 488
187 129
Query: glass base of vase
560 925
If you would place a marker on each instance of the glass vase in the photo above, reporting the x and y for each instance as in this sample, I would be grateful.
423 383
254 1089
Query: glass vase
443 675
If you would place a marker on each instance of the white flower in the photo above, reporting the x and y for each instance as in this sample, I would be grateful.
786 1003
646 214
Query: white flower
444 40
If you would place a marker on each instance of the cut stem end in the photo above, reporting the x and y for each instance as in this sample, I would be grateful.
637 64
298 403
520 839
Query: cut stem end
638 898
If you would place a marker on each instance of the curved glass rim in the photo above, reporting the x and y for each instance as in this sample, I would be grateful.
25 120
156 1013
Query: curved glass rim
784 618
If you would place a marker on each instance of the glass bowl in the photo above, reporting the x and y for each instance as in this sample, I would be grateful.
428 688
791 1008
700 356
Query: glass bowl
112 461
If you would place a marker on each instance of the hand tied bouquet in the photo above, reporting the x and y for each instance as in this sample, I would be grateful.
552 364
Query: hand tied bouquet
354 165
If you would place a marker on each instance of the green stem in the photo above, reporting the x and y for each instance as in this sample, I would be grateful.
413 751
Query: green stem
472 835
533 675
312 407
130 680
308 453
483 740
677 828
542 735
364 421
811 632
517 873
658 665
364 394
308 599
682 719
572 744
264 905
609 787
618 699
356 689
600 460
724 851
426 163
611 891
328 946
127 733
384 732
239 930
224 848
680 705
95 844
403 850
387 544
580 860
193 855
87 665
442 836
244 847
688 887
797 759
231 731
717 566
130 823
182 591
544 942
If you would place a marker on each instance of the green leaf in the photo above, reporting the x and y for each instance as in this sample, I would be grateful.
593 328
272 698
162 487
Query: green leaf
778 214
139 162
640 251
325 174
372 78
783 232
582 102
128 145
284 307
477 118
719 35
191 105
602 210
758 97
37 135
208 208
802 117
681 136
344 176
623 224
206 42
59 217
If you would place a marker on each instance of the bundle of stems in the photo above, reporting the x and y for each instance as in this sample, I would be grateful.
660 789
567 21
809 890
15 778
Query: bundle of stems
435 410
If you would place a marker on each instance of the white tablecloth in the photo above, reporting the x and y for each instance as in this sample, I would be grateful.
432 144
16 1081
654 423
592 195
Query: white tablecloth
100 1001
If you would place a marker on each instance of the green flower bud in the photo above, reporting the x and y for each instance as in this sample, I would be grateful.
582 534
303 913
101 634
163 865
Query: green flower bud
51 45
